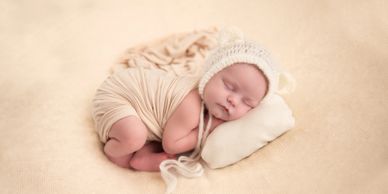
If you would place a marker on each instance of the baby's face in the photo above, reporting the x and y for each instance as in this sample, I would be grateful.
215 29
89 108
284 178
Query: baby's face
235 90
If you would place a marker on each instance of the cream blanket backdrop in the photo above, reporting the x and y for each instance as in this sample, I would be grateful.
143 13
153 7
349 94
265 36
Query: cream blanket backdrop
54 55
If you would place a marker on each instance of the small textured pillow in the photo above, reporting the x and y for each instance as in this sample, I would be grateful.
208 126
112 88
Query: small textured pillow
232 141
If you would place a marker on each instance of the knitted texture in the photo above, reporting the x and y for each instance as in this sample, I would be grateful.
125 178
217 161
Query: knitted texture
233 48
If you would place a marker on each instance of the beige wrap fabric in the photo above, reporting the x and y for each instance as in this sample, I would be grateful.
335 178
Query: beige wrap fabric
151 80
179 54
151 95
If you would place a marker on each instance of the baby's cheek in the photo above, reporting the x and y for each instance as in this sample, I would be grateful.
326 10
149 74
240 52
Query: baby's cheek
241 112
246 110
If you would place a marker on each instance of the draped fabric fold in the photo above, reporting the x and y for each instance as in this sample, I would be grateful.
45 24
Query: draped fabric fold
179 54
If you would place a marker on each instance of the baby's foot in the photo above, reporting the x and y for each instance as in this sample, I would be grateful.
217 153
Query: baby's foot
122 161
149 161
171 156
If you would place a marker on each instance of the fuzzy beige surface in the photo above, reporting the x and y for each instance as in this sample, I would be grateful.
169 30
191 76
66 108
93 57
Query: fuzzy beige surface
53 56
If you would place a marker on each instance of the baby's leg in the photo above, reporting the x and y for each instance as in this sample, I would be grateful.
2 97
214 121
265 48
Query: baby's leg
149 157
126 136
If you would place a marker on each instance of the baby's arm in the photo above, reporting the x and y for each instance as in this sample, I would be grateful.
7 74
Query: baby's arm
181 130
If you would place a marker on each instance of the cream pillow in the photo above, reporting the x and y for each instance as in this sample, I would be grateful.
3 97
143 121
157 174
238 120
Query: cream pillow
232 141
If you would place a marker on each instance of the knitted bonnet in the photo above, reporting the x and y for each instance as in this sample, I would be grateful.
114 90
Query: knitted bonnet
234 48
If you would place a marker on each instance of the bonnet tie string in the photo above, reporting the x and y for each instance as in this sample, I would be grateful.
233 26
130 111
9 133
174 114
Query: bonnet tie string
188 167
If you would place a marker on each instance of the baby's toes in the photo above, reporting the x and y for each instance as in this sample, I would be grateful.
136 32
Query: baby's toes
171 156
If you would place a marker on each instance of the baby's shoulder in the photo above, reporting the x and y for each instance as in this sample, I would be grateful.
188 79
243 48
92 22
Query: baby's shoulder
192 102
188 110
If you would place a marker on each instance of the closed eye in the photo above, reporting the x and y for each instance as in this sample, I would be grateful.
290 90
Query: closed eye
246 102
228 85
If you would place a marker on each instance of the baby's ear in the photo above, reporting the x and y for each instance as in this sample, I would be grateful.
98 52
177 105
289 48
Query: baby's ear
229 35
287 83
232 141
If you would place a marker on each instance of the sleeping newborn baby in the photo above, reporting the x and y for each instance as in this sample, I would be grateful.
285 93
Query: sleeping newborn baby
147 116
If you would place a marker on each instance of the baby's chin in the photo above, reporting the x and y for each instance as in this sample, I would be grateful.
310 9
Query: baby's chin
214 113
225 117
219 115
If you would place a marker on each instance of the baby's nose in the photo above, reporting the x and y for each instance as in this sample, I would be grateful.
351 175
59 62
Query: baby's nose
232 100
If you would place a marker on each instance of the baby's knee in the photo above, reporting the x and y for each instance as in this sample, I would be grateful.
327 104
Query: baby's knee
130 132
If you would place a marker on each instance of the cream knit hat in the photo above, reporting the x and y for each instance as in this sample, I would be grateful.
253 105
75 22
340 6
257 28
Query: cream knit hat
234 48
